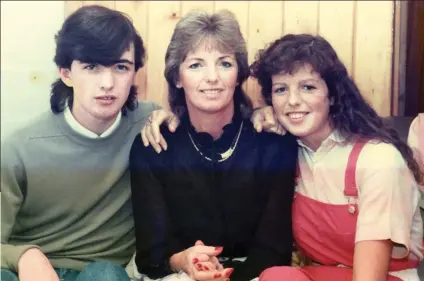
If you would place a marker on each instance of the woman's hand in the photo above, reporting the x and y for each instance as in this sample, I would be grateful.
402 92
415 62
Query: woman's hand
200 263
150 133
264 119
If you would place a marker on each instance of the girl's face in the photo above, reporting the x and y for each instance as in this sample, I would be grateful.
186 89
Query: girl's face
301 104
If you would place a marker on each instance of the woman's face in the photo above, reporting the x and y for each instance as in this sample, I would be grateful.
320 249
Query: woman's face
301 104
209 79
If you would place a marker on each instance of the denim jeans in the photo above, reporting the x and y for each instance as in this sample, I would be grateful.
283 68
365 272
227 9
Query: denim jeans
96 271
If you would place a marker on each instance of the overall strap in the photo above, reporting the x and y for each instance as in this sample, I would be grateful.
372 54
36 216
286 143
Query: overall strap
421 133
350 173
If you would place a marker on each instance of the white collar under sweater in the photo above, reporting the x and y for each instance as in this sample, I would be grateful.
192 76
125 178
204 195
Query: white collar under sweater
76 126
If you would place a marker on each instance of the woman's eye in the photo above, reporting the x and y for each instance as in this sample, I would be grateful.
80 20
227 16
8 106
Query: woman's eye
194 65
309 88
226 64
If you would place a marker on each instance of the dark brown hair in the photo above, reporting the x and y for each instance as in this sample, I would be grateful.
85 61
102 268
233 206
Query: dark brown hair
350 114
94 34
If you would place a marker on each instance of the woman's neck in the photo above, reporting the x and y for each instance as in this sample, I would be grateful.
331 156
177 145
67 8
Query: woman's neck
211 123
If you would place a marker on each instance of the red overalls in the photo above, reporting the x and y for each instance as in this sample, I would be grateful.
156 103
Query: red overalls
326 234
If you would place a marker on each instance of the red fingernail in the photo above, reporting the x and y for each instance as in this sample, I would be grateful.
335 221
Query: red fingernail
206 268
229 272
199 265
217 276
219 248
195 260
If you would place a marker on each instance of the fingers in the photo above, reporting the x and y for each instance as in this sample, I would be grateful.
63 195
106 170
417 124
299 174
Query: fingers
143 136
263 118
208 250
163 143
151 139
205 266
217 275
277 129
173 123
216 262
269 116
257 119
199 243
257 126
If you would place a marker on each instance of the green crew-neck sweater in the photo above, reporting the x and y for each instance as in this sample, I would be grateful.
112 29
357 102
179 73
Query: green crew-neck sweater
68 194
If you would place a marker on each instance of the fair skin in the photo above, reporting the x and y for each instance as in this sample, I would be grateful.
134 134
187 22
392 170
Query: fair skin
100 91
35 266
301 105
209 78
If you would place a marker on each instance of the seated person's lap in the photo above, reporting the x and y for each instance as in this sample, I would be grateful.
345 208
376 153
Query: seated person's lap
97 271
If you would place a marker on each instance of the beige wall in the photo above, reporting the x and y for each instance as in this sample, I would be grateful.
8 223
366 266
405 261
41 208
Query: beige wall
27 68
360 31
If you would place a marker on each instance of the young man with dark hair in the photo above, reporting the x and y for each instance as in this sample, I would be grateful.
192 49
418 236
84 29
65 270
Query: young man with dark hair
66 206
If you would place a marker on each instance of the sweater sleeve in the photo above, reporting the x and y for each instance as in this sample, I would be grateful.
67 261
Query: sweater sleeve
155 243
273 241
13 185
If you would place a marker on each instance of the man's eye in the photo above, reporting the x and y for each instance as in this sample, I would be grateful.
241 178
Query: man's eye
122 67
91 66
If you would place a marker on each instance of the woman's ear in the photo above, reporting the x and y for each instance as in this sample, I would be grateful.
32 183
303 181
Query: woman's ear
65 76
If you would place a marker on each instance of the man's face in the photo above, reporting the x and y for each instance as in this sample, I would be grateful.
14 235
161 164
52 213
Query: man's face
100 91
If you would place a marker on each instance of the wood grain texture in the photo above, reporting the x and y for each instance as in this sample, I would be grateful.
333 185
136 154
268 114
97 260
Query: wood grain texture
300 17
138 11
163 15
373 53
262 33
360 32
336 26
71 6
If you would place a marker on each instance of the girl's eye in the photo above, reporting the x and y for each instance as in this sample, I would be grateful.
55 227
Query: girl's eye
194 65
279 90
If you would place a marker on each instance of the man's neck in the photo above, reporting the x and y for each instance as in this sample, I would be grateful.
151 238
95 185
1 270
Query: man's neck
211 123
93 124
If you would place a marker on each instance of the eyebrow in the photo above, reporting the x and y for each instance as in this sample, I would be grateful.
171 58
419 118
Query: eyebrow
301 81
220 58
123 61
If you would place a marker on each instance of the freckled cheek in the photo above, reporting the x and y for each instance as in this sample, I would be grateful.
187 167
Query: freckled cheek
278 103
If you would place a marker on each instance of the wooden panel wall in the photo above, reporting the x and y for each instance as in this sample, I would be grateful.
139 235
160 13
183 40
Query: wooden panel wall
360 31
